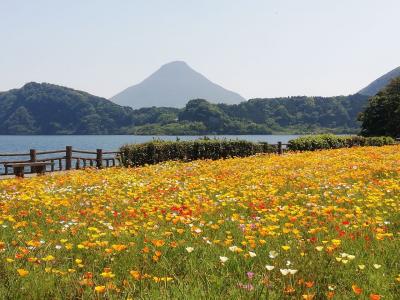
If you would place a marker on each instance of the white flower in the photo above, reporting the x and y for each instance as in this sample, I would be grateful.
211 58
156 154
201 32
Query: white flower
273 254
376 266
288 271
197 230
269 268
233 248
284 271
223 259
288 263
252 254
331 287
189 249
58 247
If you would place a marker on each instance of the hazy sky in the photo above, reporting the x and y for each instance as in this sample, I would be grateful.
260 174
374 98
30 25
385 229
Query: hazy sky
258 48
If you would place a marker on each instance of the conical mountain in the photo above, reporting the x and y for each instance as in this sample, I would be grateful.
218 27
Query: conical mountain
380 83
173 85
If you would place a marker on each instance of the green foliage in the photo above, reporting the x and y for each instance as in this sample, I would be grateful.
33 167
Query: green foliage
382 115
328 141
301 112
159 151
51 109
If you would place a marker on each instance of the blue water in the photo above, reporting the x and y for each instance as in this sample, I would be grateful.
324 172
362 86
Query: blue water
19 143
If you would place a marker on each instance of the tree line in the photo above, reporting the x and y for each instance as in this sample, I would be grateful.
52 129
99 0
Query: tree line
51 109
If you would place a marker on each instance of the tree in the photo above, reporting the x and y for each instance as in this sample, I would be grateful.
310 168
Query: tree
382 115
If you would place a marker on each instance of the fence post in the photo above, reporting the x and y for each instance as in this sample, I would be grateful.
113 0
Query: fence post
280 150
32 154
99 158
68 157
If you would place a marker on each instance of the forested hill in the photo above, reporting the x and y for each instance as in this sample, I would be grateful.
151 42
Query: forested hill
50 109
265 116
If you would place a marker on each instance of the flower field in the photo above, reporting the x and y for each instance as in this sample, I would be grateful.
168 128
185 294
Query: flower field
312 225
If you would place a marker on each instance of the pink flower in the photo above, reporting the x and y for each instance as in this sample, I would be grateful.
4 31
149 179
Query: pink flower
250 275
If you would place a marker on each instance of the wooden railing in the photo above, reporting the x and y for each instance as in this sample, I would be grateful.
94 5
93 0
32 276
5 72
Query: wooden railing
70 159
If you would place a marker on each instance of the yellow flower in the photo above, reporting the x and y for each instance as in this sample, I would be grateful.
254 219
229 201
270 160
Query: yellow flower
107 273
319 248
49 258
162 279
100 289
286 248
22 272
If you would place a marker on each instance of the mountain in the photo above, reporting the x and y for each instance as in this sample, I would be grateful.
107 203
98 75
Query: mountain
51 109
173 85
380 83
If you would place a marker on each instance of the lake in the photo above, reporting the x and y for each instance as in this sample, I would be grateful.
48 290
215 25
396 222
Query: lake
22 143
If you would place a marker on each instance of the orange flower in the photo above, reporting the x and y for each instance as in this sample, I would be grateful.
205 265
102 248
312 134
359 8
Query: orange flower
330 295
135 274
309 284
158 243
119 247
86 281
308 296
289 290
356 289
374 297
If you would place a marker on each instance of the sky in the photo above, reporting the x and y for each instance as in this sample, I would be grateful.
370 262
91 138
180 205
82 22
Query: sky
258 48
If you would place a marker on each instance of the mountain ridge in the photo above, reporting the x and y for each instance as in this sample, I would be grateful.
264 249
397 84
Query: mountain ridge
173 85
378 84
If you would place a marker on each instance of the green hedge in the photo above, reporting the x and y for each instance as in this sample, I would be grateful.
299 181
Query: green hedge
159 151
329 141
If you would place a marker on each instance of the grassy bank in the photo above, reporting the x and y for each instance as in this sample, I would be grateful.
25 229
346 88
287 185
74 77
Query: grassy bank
309 225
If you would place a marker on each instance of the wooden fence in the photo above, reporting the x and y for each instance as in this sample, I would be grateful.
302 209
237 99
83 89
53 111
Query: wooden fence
70 159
